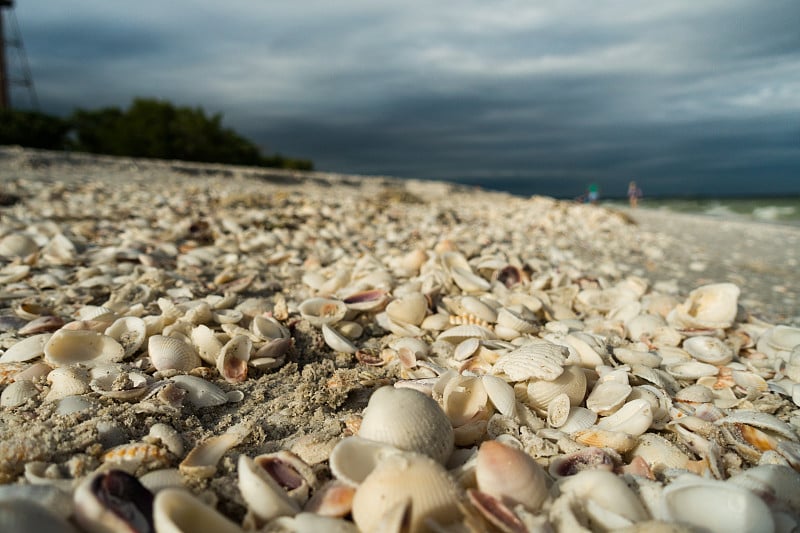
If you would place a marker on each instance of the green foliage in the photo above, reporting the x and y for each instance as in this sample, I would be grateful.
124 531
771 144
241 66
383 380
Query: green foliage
33 129
148 128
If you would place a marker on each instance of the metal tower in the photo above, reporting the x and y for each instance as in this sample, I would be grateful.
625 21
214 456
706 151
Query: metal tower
14 41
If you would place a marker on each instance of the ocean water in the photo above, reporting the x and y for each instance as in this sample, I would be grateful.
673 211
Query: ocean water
782 210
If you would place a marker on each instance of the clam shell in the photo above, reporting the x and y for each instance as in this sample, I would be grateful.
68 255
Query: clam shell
579 418
501 394
603 438
18 393
318 311
409 309
402 478
81 346
262 493
692 370
201 461
409 420
707 307
26 349
268 328
709 350
511 319
541 392
130 332
353 458
510 475
171 353
17 245
113 501
589 458
336 341
199 392
608 396
540 360
232 359
126 386
206 343
178 511
463 398
633 418
367 300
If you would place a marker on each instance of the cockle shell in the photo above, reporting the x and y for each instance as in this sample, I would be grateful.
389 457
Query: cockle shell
127 386
178 511
607 396
541 392
501 394
130 332
26 349
510 475
633 418
67 381
707 307
409 309
233 358
515 321
206 343
320 311
407 477
709 350
268 328
199 392
18 393
463 398
171 353
409 420
81 346
579 418
462 332
541 360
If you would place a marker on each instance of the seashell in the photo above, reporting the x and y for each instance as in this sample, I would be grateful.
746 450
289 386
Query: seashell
779 341
232 359
572 382
540 360
227 316
26 349
172 353
129 332
692 370
436 322
707 307
460 333
126 386
264 496
305 522
709 350
695 394
637 357
367 300
73 404
607 396
18 393
409 309
589 348
135 454
409 420
589 458
113 501
336 341
199 392
67 381
604 498
206 343
501 394
25 515
510 475
470 305
693 501
12 273
168 436
603 438
463 398
466 348
772 483
353 458
42 324
318 311
558 410
633 418
511 319
164 478
177 511
17 245
66 347
417 479
334 499
268 328
579 418
201 461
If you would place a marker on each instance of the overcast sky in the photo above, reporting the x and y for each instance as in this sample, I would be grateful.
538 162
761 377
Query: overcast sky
685 96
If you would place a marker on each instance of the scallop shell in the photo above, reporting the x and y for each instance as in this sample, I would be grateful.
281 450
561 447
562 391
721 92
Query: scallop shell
510 475
26 349
81 346
177 511
409 420
707 307
541 392
513 320
318 311
172 353
130 332
67 381
199 392
540 360
18 393
232 359
708 350
409 309
402 478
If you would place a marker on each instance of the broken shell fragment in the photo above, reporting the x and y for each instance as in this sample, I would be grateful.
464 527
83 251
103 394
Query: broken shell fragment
201 461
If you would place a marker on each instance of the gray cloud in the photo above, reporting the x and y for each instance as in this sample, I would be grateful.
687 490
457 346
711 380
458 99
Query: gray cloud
684 96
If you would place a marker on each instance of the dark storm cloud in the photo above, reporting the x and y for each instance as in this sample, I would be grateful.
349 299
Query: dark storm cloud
687 97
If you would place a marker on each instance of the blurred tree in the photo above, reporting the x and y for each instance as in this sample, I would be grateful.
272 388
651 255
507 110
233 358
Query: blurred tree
34 129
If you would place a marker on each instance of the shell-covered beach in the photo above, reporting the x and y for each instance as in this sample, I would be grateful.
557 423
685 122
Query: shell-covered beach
186 346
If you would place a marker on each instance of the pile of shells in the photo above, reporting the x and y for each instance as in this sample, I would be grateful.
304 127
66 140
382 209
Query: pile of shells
459 361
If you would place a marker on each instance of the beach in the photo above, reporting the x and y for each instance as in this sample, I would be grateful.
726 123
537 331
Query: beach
297 295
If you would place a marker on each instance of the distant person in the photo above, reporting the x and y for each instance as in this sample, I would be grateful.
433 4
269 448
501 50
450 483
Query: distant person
593 193
634 193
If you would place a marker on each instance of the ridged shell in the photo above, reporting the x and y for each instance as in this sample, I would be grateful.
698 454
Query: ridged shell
26 349
540 360
710 306
81 346
320 311
67 381
541 392
18 393
130 332
465 331
579 418
607 396
172 353
709 350
510 475
402 478
409 420
178 511
513 320
199 392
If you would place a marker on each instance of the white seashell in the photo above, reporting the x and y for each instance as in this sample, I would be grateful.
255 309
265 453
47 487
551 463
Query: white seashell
637 357
633 418
409 309
708 350
206 343
695 394
463 398
42 473
501 394
773 483
715 506
318 311
779 341
268 328
473 306
177 511
603 438
707 307
262 493
66 381
466 348
81 346
608 396
513 320
172 353
460 333
17 245
692 370
26 349
130 332
600 491
201 461
589 348
127 386
168 436
579 418
398 328
73 404
418 347
353 458
336 341
409 420
17 393
589 458
407 479
558 410
540 392
164 478
541 360
510 475
199 392
436 322
232 359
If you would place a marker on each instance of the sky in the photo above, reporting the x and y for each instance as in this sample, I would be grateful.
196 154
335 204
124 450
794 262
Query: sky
687 97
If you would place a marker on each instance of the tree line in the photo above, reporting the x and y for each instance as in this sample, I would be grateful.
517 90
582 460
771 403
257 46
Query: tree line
148 128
